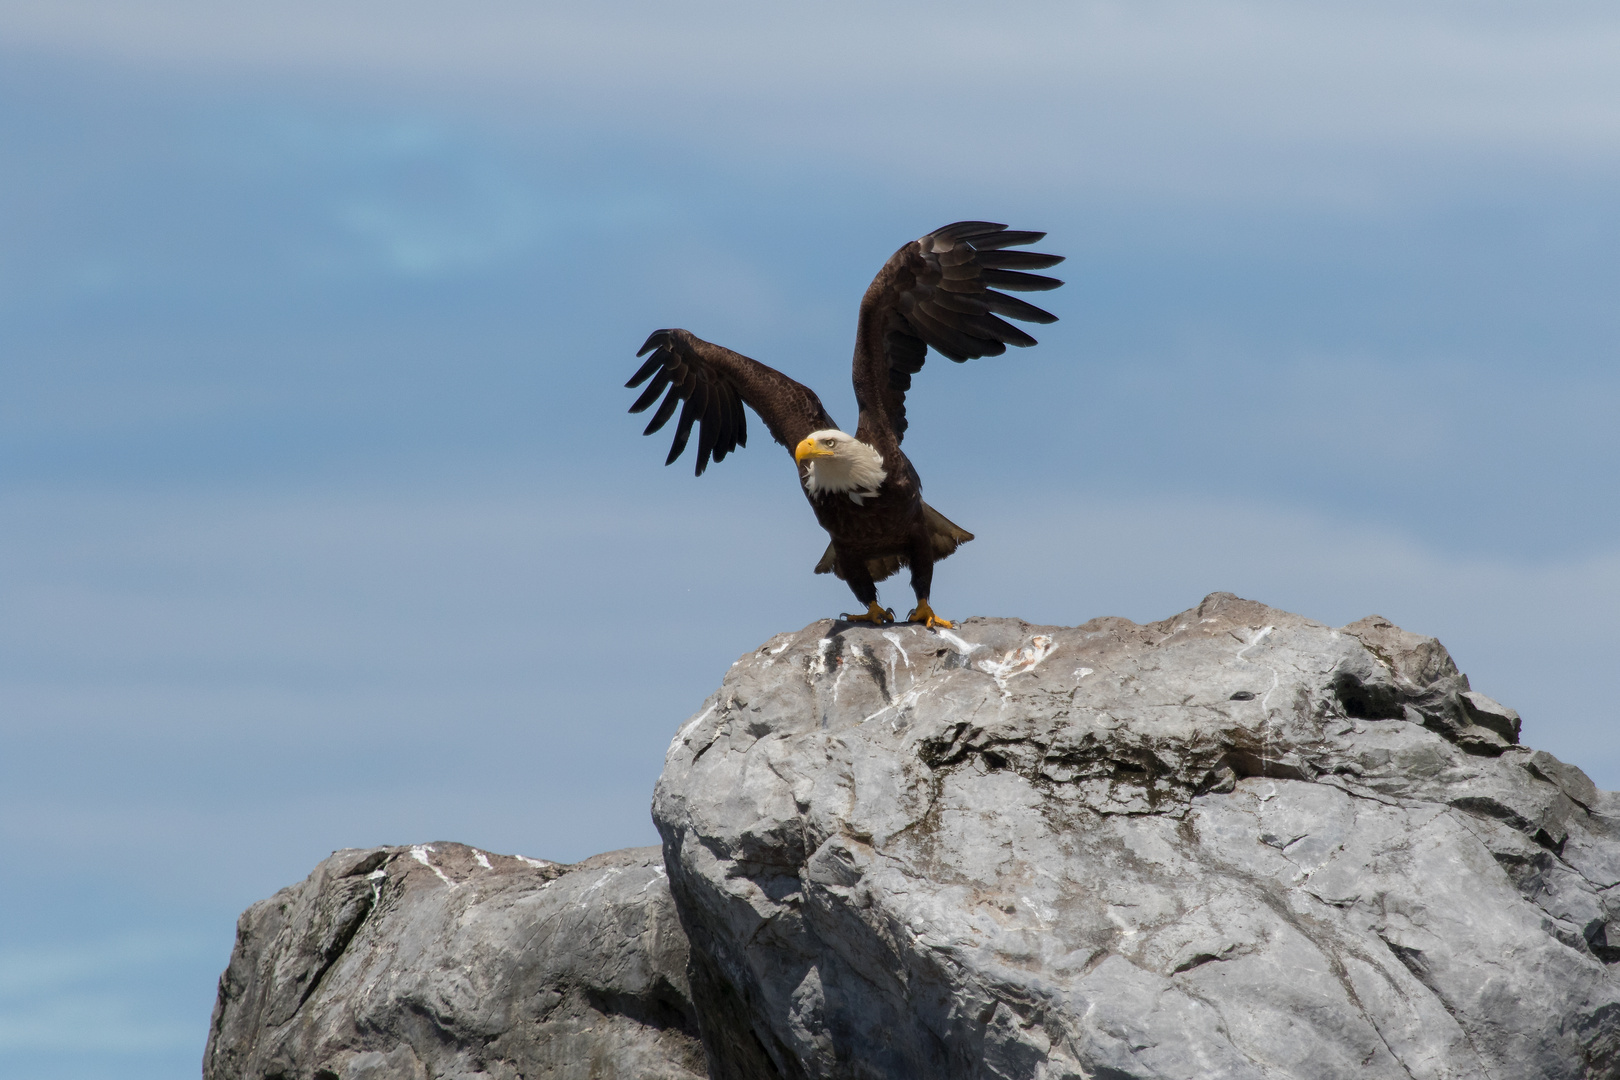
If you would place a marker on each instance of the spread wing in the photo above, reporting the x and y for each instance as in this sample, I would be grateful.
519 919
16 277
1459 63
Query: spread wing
940 292
715 383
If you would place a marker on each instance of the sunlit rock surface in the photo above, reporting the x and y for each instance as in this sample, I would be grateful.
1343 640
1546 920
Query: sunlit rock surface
1236 843
440 960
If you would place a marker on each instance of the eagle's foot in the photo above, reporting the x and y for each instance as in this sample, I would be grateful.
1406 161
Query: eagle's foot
875 615
925 615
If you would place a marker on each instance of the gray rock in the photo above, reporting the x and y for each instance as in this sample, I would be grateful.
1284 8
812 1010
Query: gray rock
1487 713
1236 843
440 960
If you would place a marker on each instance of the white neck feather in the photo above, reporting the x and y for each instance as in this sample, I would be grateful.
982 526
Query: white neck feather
856 469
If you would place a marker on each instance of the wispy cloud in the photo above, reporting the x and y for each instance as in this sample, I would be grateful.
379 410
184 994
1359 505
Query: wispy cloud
1181 96
31 973
89 997
74 1024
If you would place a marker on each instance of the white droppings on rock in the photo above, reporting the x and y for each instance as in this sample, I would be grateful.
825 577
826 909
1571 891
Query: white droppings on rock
843 669
681 735
818 664
1020 661
1259 636
1276 681
963 648
770 654
420 854
900 704
594 887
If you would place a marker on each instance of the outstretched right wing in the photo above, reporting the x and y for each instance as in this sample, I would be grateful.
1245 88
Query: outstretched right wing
715 383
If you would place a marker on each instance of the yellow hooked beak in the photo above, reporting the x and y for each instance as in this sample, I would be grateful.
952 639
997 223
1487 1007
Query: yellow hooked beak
810 448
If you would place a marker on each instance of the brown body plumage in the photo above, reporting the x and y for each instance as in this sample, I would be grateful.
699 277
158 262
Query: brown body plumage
933 293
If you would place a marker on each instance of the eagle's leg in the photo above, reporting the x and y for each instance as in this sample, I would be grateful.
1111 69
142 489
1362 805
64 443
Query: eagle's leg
922 580
860 581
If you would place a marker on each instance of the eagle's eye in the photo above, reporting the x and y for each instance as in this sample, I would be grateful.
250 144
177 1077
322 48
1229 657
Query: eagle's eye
828 443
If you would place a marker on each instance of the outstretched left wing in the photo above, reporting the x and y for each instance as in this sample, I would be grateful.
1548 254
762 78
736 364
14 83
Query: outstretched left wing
939 292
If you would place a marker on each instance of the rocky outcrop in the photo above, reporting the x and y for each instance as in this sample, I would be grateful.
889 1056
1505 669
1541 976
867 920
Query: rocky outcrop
1236 843
440 960
1233 844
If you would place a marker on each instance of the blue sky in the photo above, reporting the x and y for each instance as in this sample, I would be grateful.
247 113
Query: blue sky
322 523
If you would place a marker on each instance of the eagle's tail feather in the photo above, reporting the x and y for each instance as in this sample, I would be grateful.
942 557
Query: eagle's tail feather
946 534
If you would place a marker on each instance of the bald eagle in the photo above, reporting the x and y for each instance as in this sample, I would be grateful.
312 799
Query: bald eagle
933 293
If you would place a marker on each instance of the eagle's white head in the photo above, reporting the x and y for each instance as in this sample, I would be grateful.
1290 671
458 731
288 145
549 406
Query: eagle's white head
836 463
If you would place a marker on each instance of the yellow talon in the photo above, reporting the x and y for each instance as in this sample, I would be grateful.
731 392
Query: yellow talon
925 615
875 615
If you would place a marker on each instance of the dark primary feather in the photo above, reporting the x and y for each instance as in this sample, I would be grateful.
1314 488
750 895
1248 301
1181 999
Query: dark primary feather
712 385
649 395
939 292
1018 281
1014 308
961 230
645 369
1010 239
683 427
665 411
1016 260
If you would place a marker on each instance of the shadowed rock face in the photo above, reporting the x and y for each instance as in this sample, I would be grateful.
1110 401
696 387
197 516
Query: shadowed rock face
405 963
1236 843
